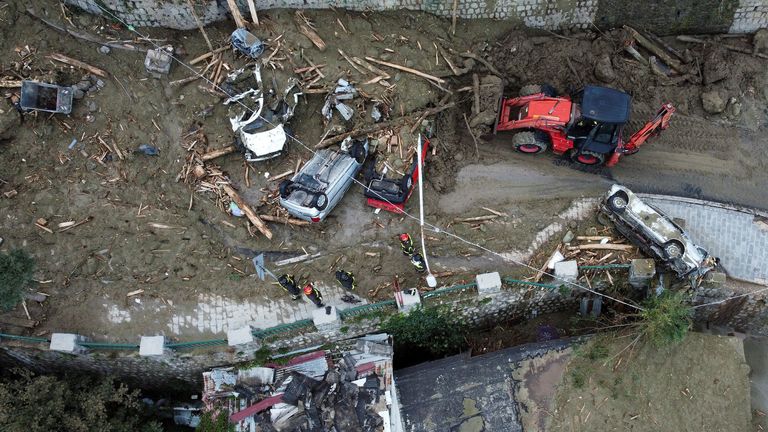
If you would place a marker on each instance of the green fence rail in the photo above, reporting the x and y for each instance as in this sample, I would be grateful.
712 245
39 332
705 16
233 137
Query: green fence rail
304 323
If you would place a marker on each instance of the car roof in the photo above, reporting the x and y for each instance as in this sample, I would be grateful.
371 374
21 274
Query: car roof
605 105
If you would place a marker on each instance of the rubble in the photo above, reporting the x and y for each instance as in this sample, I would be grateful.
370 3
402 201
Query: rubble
347 390
713 101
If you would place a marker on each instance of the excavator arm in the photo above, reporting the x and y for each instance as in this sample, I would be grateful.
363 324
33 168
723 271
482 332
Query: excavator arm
652 128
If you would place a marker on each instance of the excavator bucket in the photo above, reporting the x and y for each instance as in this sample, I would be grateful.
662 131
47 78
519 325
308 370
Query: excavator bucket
653 127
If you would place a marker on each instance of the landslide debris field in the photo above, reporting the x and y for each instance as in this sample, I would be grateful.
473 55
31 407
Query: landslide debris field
142 223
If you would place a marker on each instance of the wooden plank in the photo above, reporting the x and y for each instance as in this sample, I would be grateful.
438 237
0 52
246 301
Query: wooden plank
77 63
252 216
254 15
18 322
239 21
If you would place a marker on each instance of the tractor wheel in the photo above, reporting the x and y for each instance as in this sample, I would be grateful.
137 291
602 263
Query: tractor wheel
530 142
673 249
587 157
618 202
533 89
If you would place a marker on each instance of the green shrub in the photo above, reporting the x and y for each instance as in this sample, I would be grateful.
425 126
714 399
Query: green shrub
16 270
666 318
218 422
433 330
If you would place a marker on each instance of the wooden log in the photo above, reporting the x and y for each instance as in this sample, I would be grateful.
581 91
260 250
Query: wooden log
207 55
485 63
280 176
307 31
478 218
181 82
691 39
285 220
239 21
609 246
254 15
199 24
656 50
18 322
252 216
359 131
476 91
407 69
219 152
592 238
371 67
349 60
454 15
10 83
77 63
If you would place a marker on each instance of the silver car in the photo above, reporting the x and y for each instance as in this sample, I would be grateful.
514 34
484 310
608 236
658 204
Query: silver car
316 189
656 234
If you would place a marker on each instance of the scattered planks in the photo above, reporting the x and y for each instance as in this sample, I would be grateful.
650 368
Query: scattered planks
77 63
656 50
607 246
218 153
252 216
305 28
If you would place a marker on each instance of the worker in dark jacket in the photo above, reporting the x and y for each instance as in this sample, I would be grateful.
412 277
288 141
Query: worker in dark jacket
289 285
346 279
406 244
418 261
313 295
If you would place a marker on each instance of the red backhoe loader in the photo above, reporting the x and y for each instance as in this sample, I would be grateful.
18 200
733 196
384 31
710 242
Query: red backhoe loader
588 126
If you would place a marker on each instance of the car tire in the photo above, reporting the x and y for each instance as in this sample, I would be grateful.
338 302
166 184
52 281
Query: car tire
673 249
286 187
530 142
533 89
358 152
618 202
406 184
588 158
320 202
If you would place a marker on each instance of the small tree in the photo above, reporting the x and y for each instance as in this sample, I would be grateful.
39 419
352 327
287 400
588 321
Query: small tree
428 331
16 270
666 318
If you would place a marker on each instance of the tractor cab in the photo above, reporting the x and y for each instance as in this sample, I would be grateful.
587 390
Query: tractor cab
599 115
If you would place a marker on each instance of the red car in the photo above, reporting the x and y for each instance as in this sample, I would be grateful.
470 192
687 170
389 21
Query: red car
392 194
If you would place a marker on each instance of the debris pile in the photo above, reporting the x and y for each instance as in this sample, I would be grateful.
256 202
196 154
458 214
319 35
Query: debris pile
346 390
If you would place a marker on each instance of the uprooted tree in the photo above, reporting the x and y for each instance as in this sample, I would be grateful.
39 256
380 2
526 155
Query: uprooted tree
665 319
16 270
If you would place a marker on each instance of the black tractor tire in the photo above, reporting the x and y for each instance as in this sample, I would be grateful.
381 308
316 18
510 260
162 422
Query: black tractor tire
531 142
358 152
673 249
618 202
286 187
406 183
586 157
320 201
532 89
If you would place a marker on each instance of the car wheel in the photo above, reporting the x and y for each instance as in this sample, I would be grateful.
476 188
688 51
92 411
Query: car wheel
358 152
286 187
320 202
407 184
533 89
530 142
586 157
618 202
673 249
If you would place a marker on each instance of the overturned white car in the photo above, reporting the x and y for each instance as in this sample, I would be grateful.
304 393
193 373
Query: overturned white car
657 235
257 116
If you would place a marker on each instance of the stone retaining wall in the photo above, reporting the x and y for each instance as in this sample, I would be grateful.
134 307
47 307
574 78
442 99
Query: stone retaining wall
663 17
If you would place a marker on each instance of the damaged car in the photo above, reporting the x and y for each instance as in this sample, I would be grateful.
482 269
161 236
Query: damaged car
656 235
322 182
389 192
258 117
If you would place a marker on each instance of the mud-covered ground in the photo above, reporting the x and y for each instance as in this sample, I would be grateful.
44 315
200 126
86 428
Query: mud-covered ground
149 231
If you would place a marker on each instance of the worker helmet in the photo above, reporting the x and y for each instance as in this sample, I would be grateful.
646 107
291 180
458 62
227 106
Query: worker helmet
404 237
308 288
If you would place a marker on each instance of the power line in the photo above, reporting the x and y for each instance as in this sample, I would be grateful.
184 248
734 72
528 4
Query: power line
435 228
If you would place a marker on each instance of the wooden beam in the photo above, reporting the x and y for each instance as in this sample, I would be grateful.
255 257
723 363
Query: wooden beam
218 152
239 21
252 216
77 63
252 8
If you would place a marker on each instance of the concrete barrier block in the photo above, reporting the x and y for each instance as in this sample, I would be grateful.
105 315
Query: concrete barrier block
488 283
240 336
66 342
641 271
152 346
566 272
326 319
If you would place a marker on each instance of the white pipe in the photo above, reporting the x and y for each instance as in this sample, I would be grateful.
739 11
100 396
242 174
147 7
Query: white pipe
420 164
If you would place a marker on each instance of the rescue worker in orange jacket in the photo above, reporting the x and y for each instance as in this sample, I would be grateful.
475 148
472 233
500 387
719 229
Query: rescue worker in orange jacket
313 295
